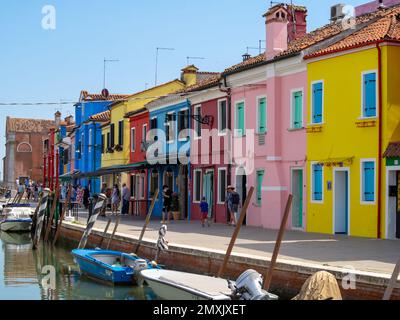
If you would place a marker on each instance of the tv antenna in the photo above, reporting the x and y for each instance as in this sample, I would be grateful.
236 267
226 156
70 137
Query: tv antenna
104 70
193 58
157 51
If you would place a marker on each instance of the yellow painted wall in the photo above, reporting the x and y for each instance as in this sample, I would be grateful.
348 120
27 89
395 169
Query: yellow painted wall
341 138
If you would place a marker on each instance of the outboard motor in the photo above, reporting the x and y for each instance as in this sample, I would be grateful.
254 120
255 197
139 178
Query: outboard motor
249 287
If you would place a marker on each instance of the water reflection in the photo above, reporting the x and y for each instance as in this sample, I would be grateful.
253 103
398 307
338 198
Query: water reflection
22 276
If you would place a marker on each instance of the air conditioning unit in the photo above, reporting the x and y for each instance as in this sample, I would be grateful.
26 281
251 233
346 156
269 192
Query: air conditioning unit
337 12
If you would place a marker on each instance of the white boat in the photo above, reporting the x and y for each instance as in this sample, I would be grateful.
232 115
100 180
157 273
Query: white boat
17 220
175 285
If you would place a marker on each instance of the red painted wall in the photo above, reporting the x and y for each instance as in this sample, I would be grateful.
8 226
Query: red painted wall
137 122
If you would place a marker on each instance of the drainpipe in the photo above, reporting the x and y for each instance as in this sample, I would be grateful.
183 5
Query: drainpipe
189 195
380 137
228 92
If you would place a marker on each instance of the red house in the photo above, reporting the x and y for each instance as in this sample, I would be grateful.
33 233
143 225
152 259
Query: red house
210 174
139 125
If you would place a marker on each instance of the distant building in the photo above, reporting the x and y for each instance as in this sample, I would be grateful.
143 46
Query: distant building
22 137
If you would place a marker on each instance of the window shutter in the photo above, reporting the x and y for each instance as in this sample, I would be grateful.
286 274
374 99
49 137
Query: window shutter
260 178
317 171
369 173
370 95
112 130
262 116
317 102
121 133
297 114
240 118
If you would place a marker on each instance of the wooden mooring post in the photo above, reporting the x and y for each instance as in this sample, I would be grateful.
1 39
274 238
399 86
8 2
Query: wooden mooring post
65 209
268 278
98 208
40 217
105 232
236 232
52 212
147 221
114 231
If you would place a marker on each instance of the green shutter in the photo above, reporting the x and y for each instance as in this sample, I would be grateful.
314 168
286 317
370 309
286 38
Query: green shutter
260 178
240 119
262 116
297 110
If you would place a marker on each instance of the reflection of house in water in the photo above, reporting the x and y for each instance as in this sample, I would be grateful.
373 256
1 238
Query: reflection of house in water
19 263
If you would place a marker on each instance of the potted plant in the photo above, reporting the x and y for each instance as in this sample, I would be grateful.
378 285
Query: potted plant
175 207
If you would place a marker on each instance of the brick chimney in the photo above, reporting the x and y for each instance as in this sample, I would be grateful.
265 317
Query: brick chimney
284 23
57 118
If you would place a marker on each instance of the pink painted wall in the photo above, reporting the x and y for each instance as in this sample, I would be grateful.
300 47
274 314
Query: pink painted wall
286 147
373 5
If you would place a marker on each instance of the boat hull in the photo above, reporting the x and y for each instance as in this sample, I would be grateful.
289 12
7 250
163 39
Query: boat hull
98 270
171 285
16 225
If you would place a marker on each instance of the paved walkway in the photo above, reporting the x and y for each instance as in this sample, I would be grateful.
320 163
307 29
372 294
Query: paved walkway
370 255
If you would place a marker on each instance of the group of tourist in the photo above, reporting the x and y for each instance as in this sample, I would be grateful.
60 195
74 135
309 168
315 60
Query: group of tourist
32 189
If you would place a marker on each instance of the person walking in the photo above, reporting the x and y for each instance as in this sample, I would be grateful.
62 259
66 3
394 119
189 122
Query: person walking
167 200
126 197
115 199
233 200
204 212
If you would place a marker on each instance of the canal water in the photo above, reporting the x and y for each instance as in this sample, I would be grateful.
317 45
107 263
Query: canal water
21 276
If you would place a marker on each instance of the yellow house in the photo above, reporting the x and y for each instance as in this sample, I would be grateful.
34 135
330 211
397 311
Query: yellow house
116 133
353 116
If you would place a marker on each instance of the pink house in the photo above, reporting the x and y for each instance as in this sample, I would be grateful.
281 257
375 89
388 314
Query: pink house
373 6
269 112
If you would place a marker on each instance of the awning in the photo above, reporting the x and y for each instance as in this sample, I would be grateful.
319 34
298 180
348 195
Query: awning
114 169
393 150
70 175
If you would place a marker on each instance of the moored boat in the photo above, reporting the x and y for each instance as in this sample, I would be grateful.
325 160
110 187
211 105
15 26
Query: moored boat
17 220
111 266
176 285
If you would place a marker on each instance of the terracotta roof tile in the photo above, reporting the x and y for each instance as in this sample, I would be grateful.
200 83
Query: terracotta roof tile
102 116
207 82
85 96
393 150
386 27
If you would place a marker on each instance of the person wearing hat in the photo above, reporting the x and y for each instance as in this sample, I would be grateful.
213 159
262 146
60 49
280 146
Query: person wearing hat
233 200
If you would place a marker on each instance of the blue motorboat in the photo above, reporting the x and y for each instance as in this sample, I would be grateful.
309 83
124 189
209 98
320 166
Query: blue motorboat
111 266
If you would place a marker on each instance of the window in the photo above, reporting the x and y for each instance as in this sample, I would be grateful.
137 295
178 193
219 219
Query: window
317 102
112 134
260 178
102 143
262 116
369 95
240 127
183 120
142 185
170 126
317 184
153 183
297 110
153 126
90 142
121 132
197 123
144 133
222 185
133 139
368 181
197 186
222 113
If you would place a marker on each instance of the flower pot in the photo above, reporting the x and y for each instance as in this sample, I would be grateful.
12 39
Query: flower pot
176 215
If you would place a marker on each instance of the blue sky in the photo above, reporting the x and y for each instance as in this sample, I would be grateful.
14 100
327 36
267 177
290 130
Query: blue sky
38 65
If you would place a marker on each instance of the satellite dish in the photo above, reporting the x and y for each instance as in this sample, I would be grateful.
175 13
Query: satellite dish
105 93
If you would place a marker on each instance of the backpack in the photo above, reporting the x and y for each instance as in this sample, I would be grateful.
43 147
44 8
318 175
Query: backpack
235 198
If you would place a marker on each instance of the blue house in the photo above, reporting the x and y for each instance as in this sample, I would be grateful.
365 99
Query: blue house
88 143
169 151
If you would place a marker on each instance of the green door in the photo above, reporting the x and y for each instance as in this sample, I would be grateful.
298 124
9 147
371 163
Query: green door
208 191
297 208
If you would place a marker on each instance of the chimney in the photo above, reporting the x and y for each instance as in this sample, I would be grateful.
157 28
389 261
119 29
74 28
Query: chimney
276 21
68 120
189 75
246 57
57 118
297 22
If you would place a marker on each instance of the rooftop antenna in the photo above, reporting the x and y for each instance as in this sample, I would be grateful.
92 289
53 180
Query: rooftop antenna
157 51
193 58
259 48
104 70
